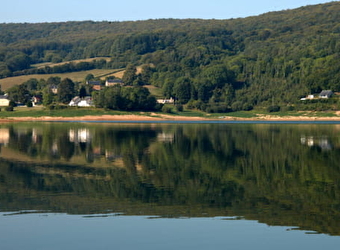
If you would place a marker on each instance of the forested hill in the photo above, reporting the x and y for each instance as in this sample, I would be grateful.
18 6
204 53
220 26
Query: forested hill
271 59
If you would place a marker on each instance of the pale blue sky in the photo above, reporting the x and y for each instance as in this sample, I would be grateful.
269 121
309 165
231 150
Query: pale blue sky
123 10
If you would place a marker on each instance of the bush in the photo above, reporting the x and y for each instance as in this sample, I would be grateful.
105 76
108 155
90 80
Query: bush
247 107
166 109
56 107
236 106
9 108
29 104
12 104
274 108
179 108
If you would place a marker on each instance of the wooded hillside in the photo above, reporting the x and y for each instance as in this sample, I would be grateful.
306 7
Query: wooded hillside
215 65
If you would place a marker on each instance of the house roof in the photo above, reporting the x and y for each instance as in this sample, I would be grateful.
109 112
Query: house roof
326 92
94 82
114 80
3 97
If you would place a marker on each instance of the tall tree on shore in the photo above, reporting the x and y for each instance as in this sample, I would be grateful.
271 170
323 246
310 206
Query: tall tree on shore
66 90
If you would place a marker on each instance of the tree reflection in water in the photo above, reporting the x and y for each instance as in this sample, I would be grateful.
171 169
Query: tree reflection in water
277 174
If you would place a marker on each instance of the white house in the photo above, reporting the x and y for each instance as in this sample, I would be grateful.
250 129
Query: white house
113 82
163 101
81 102
4 101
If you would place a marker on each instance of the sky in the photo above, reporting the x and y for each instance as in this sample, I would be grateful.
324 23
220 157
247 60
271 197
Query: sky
36 11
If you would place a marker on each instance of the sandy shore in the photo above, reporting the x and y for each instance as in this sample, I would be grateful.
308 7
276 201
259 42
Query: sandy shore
163 117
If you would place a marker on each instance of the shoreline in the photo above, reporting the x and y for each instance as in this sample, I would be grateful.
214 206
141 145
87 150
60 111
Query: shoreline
170 118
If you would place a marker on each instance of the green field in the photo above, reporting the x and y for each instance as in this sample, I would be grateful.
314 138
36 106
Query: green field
51 64
79 76
40 111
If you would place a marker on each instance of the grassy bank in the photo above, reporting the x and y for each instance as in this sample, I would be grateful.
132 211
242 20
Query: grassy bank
37 112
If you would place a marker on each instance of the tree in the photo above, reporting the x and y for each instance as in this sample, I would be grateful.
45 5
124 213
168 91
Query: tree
129 75
66 90
182 90
19 94
48 97
23 94
89 77
146 74
54 80
82 92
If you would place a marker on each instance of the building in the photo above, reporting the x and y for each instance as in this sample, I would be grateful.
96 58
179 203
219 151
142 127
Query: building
4 101
325 94
96 85
36 100
81 102
113 82
164 101
54 89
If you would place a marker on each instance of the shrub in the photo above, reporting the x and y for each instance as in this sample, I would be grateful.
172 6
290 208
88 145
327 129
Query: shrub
236 106
12 104
9 108
274 108
247 107
179 108
166 109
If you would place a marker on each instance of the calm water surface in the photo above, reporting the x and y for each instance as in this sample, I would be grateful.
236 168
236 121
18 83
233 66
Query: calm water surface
169 186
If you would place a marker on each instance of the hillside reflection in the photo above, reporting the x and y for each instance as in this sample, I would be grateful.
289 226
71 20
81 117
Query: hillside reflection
277 174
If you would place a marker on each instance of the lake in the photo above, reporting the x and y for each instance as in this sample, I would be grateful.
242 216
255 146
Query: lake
169 186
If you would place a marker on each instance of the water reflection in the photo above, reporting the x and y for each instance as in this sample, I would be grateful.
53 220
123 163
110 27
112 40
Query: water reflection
277 174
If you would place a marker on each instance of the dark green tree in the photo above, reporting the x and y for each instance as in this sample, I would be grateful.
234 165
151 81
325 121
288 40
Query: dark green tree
182 89
82 91
129 75
66 90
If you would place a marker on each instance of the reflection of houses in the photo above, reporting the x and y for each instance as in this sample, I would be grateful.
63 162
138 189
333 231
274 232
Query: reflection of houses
36 134
111 156
113 82
311 141
165 137
81 102
79 135
4 136
55 148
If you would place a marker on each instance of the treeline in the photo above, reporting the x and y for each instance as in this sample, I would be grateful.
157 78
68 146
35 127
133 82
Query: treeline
126 98
65 67
270 60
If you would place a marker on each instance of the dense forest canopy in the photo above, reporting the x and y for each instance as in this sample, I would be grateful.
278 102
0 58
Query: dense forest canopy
213 65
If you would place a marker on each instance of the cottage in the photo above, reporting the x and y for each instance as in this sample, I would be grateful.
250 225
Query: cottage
96 85
325 94
113 82
86 102
164 101
81 102
4 101
74 101
54 89
36 100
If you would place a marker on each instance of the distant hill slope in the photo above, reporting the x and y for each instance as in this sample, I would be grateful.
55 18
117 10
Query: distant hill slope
271 59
